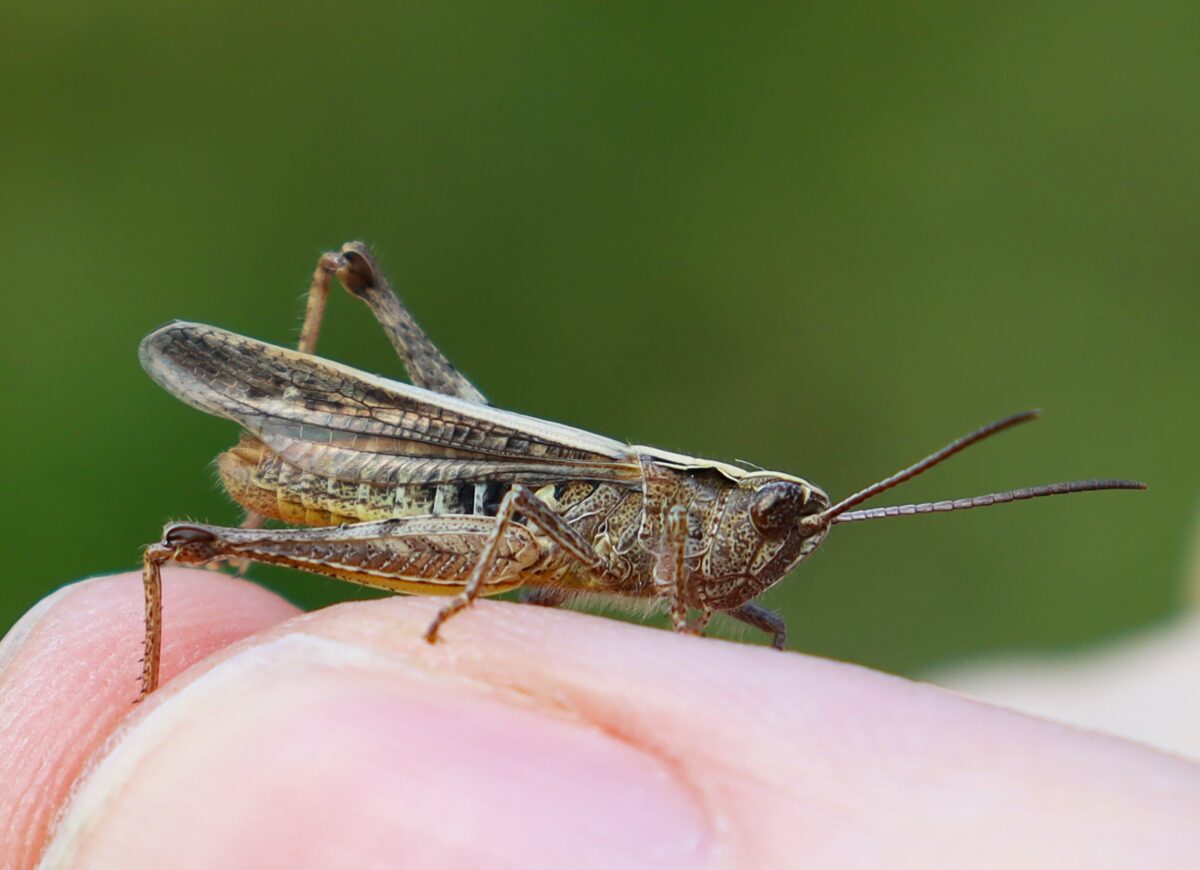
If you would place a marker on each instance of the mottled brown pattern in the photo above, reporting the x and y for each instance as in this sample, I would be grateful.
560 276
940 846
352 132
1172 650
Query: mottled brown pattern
429 489
329 445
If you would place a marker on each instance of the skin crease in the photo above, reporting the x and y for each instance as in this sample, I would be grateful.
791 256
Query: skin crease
527 737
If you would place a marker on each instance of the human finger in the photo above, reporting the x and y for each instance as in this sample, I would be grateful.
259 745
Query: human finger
69 672
535 737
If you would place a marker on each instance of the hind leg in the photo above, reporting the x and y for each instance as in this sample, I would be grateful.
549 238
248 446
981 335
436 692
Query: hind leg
358 271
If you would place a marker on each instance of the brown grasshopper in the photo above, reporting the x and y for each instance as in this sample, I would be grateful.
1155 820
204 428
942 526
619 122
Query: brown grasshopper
428 489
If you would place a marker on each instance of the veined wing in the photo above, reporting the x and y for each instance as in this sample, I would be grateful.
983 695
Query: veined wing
331 419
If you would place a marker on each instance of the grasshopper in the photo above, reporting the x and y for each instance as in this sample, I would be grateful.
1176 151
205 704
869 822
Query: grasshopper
426 488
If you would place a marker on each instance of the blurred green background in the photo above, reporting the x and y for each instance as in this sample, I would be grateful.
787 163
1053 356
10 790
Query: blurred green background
825 239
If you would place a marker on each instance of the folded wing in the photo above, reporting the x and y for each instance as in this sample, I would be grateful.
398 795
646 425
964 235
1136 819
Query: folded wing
331 419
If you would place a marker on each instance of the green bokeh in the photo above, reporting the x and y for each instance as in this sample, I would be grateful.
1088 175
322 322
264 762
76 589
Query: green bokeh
822 239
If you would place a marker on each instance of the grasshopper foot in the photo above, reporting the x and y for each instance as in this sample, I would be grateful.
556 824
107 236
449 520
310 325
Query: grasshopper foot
459 602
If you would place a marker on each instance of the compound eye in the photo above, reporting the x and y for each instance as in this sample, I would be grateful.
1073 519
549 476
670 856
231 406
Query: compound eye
776 507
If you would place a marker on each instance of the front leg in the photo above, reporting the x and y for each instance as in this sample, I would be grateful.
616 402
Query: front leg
670 569
670 574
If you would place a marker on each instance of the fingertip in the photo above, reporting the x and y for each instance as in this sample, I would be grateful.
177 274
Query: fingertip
330 754
342 737
69 673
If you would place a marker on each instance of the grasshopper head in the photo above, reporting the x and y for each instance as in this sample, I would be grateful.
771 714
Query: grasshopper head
766 528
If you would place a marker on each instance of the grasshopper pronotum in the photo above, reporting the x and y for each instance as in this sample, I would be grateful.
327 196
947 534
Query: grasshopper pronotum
427 488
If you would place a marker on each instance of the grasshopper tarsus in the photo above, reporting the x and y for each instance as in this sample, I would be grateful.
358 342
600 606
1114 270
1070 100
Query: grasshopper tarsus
698 623
153 559
457 603
755 615
426 488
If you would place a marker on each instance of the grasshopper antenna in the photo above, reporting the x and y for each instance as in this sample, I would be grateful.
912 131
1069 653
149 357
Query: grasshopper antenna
841 513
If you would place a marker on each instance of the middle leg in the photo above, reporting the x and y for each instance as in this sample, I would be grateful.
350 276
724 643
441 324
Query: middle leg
538 514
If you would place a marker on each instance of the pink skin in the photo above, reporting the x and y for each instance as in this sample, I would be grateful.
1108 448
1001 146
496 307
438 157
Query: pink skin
527 737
